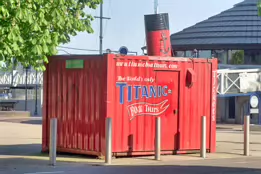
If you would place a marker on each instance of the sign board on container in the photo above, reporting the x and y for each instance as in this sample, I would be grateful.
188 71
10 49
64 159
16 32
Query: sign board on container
74 64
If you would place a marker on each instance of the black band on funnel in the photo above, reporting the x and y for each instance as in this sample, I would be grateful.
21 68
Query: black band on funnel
157 22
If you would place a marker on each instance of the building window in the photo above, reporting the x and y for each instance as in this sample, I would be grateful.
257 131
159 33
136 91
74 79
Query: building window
205 54
221 55
180 54
231 108
236 57
252 57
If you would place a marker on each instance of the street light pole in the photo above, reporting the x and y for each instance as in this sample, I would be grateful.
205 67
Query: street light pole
156 6
101 26
36 93
26 93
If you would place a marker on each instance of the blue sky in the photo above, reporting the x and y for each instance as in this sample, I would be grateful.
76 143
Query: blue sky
126 26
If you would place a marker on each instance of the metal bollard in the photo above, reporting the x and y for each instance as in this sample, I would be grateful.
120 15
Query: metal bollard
53 141
158 139
246 135
203 137
108 155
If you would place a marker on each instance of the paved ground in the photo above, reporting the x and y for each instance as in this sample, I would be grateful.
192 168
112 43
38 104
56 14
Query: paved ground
232 142
20 141
216 166
20 136
253 128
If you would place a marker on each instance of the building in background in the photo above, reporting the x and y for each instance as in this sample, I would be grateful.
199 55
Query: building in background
226 36
13 88
234 37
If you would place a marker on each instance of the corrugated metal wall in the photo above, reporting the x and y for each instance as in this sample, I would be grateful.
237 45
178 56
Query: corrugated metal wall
77 98
81 99
195 102
138 135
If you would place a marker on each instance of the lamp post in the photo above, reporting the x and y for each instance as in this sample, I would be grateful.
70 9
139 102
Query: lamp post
26 76
36 97
156 6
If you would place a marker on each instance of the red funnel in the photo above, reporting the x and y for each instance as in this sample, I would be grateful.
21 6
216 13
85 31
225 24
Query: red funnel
158 35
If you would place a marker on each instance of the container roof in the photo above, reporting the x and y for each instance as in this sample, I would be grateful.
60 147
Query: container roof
235 28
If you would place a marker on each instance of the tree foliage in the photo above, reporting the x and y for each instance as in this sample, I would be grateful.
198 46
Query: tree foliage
31 30
6 67
259 7
238 58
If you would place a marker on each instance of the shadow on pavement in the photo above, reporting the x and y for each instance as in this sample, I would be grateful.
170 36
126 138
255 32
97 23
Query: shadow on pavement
185 170
35 150
34 122
253 150
230 153
236 142
31 120
16 165
224 128
20 149
22 165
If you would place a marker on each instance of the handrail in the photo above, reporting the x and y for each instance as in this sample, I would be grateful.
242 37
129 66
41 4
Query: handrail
19 78
238 81
238 70
229 80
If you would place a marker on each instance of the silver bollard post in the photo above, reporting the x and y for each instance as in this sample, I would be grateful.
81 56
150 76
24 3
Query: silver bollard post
158 139
203 137
246 135
108 155
53 141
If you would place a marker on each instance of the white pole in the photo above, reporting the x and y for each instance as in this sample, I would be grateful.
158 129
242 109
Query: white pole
108 155
101 27
156 6
53 141
158 139
246 135
203 138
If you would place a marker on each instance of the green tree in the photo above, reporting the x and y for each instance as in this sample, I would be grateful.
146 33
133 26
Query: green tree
259 7
7 68
238 58
31 30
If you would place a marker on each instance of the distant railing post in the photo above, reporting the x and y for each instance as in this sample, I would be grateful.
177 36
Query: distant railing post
203 138
53 141
222 83
246 135
108 155
158 139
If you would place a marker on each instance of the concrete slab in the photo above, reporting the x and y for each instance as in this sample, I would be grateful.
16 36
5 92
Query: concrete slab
231 142
15 114
20 144
224 166
123 161
255 128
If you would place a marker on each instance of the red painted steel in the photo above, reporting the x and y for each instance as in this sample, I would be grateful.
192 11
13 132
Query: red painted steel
78 99
158 35
214 88
132 90
158 43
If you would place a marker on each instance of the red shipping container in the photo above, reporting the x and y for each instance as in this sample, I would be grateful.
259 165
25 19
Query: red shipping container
82 91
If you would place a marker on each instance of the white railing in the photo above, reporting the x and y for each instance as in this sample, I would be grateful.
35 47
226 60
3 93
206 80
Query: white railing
19 78
233 81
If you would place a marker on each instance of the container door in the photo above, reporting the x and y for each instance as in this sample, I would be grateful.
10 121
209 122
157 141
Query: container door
168 82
